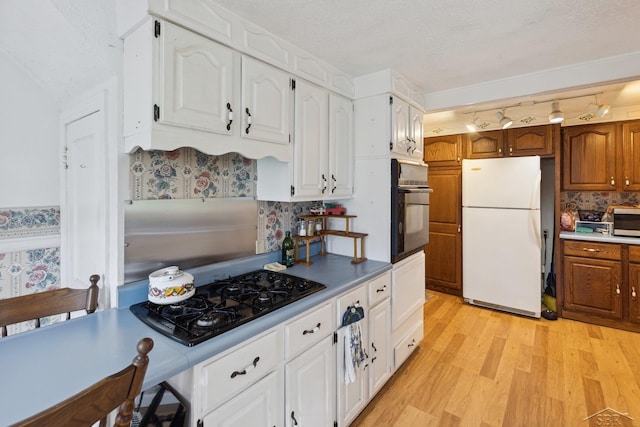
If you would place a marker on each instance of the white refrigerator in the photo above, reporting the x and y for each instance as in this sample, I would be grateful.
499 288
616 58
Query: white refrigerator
501 241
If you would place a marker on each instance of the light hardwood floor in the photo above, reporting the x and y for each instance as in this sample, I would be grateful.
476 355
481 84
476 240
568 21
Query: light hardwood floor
479 367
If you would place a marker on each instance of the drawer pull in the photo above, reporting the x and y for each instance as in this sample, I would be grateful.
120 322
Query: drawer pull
312 331
617 289
246 370
633 291
373 359
412 343
382 289
590 250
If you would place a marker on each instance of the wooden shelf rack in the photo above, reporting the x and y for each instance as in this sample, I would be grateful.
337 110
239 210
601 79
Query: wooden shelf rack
330 232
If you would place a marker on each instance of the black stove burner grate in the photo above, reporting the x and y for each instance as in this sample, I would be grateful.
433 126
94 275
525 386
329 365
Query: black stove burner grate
225 304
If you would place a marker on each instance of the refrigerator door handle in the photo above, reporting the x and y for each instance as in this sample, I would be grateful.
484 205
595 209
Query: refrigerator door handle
534 214
534 203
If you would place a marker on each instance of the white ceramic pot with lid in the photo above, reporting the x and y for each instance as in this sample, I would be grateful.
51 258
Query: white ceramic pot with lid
170 285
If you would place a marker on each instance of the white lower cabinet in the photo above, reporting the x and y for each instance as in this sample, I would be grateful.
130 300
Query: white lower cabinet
260 405
310 386
379 332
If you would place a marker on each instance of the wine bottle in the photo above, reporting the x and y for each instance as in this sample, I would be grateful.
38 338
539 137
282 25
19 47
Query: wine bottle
287 250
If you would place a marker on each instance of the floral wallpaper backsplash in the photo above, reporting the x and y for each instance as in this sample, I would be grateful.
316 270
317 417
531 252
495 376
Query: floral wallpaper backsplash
596 201
29 271
186 173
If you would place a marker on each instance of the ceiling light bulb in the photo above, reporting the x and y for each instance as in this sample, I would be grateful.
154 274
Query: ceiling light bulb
556 115
505 122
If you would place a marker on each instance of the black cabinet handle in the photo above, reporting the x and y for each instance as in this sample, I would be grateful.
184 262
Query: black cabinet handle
293 417
374 347
230 115
247 369
248 120
311 331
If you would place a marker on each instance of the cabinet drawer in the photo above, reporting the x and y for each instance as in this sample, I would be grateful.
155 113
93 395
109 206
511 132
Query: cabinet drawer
308 329
223 378
593 250
634 253
407 345
379 288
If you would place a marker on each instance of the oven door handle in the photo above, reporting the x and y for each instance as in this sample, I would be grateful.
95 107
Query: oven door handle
415 190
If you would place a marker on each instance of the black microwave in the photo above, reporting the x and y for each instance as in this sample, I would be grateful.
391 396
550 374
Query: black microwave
626 222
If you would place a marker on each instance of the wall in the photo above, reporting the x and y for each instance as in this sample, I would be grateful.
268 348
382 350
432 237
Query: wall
29 185
187 173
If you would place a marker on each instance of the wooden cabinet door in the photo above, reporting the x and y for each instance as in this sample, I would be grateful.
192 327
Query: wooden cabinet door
531 141
484 145
630 157
197 81
311 146
341 145
634 293
593 286
589 157
266 103
443 253
443 150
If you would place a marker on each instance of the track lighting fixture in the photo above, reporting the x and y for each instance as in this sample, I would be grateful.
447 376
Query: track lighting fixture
504 121
474 125
556 115
599 109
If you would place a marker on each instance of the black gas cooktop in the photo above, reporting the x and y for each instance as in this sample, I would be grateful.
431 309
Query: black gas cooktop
224 304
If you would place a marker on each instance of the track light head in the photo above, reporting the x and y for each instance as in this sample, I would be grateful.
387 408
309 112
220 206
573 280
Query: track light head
504 121
556 115
474 126
599 109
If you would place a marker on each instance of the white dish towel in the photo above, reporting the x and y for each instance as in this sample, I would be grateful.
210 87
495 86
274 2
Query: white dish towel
354 354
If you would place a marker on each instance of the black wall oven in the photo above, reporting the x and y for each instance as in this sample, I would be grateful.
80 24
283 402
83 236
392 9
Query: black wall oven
409 208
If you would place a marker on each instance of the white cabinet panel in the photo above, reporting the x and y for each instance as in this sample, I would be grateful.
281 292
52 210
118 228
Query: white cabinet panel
407 288
379 337
341 146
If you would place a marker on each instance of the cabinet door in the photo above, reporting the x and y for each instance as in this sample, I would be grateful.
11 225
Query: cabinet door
631 156
266 103
379 347
341 146
407 288
400 126
589 157
443 253
484 145
531 141
310 387
311 141
634 293
416 133
259 405
351 397
593 286
443 150
196 80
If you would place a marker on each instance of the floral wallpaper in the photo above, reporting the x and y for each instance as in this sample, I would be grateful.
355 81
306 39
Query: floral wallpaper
29 271
595 201
187 173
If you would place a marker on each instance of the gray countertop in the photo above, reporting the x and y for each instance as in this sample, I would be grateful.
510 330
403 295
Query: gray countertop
598 237
42 367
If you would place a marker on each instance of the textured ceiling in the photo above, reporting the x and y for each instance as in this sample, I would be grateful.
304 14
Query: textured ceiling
67 46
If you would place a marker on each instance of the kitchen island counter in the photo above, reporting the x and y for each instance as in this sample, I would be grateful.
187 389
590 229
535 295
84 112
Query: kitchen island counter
45 366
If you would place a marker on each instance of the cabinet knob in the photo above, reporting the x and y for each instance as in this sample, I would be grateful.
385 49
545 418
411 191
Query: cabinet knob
458 159
633 291
613 182
499 150
459 228
626 181
617 289
510 150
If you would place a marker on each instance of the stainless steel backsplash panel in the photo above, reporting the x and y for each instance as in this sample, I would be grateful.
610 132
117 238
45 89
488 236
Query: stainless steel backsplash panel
187 233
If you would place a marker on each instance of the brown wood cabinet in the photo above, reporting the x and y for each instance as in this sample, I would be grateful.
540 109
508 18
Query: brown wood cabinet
443 253
525 141
630 177
589 157
601 283
443 150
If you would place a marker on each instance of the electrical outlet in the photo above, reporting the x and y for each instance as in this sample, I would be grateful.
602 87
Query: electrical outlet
545 233
260 246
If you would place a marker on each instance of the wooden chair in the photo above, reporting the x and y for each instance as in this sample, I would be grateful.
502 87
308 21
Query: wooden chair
96 402
48 303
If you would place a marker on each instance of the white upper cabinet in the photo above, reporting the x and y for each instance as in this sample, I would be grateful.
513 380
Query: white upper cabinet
416 132
340 147
266 100
406 128
182 89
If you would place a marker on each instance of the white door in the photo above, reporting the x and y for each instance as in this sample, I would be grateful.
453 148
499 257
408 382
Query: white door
311 176
259 405
84 211
310 387
197 82
266 103
510 182
399 126
341 146
379 332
